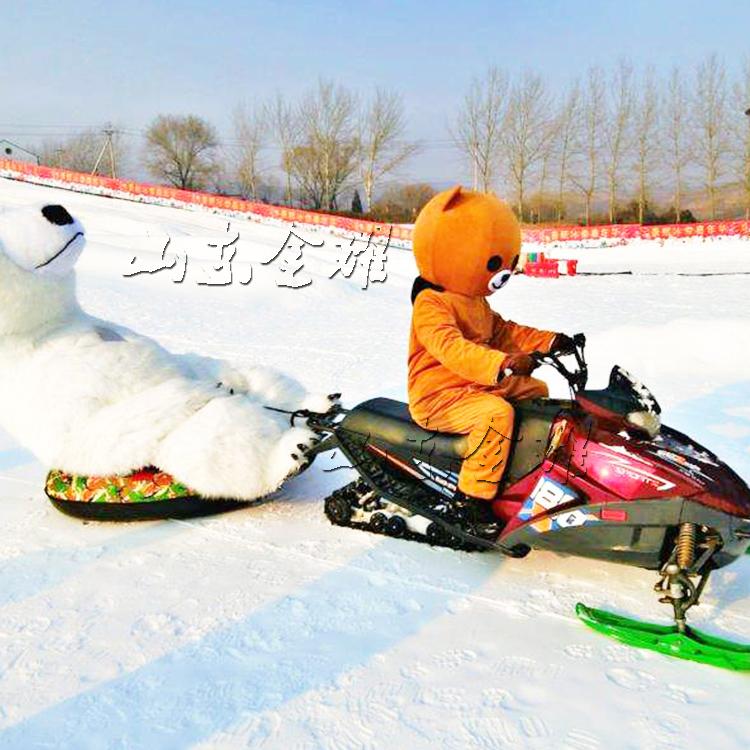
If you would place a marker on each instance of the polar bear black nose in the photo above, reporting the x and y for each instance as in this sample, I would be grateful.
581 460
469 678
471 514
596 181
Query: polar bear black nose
57 215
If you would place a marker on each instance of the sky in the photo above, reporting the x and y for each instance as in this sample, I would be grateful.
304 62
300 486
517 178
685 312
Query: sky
68 65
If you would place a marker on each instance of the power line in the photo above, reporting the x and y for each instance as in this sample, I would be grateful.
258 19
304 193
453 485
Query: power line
73 130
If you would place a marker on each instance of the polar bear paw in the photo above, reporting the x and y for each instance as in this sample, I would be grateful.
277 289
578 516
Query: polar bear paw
319 403
291 455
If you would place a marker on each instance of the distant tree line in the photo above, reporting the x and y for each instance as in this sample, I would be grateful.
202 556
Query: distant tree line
326 145
615 145
612 144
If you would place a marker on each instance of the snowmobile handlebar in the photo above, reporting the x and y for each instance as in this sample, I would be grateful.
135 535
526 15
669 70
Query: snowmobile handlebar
577 376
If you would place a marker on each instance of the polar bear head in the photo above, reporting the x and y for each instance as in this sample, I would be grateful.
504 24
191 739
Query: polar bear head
39 247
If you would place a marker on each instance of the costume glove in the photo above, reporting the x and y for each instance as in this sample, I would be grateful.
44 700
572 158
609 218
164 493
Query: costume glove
563 344
517 363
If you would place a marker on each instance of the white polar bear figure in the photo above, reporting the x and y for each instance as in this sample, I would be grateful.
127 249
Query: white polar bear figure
89 397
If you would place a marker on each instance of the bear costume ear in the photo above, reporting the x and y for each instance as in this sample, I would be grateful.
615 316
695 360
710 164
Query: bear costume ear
451 198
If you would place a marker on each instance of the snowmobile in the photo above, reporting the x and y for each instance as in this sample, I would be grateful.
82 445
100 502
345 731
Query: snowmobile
596 475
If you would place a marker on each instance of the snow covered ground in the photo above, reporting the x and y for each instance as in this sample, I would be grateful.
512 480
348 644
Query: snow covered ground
267 627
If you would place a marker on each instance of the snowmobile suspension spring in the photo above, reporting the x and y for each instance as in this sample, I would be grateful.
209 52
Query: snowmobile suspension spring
686 545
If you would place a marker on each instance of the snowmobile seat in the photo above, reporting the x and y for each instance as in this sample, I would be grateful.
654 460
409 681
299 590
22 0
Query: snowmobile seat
384 420
388 423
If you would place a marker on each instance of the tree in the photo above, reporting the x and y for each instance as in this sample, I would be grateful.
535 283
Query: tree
546 155
591 114
477 132
381 148
676 132
283 121
81 152
327 155
356 203
251 129
710 113
182 151
646 139
525 132
567 136
741 130
402 203
617 129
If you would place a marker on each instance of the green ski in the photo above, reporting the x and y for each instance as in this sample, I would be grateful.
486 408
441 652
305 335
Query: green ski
666 639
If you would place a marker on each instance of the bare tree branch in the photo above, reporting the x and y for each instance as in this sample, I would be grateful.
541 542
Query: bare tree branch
182 151
589 151
710 113
676 134
251 131
741 133
617 133
525 132
477 132
646 138
325 160
284 125
567 138
381 150
80 152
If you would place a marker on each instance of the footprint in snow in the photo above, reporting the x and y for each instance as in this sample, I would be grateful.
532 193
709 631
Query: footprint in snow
631 679
579 651
454 658
686 695
581 739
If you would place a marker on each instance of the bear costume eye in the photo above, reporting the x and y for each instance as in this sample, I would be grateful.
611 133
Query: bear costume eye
494 263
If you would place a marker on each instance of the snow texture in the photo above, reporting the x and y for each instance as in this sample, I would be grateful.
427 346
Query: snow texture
269 628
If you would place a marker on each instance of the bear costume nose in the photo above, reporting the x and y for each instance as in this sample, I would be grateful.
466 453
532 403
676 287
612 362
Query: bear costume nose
57 215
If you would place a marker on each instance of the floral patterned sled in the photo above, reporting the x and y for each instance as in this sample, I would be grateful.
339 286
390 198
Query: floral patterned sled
144 494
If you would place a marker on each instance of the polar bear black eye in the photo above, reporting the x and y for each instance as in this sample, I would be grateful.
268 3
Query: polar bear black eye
494 263
57 215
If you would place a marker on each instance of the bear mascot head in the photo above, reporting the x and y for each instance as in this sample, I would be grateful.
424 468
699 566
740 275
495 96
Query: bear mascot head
39 247
466 242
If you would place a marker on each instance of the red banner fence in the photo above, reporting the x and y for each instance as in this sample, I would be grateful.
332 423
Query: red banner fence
147 193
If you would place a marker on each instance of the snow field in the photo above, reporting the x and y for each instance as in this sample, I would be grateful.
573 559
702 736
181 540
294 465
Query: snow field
269 628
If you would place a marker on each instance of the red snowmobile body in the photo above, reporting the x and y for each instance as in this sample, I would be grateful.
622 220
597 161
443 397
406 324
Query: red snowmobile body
595 476
603 492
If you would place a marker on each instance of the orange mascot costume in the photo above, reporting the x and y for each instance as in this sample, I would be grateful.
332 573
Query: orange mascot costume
466 363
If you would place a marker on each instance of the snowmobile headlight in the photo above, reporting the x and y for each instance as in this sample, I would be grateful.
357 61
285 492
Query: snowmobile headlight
647 421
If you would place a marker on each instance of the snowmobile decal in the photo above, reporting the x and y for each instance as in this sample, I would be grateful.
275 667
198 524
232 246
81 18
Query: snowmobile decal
623 464
443 481
626 469
565 520
547 494
682 464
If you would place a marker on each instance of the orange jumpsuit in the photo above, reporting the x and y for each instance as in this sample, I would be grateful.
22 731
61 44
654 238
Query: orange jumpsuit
456 348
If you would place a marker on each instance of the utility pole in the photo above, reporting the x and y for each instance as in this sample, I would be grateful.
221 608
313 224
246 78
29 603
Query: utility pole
108 132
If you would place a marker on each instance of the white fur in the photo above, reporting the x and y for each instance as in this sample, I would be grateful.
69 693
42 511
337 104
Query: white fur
90 397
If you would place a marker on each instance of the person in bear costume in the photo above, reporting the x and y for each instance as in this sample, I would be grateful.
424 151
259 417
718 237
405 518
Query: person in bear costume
467 364
93 398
